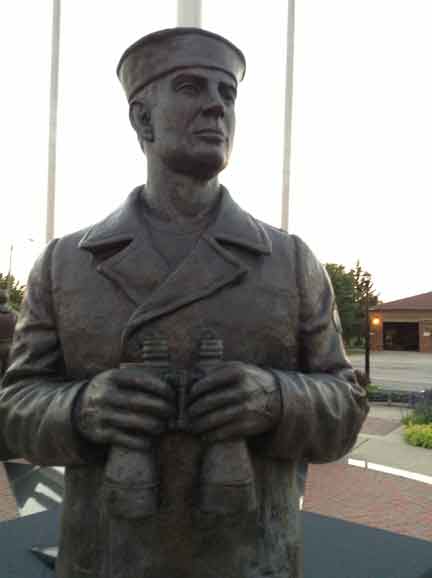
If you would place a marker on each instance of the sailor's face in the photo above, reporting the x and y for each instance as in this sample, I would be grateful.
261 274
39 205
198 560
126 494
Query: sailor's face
193 121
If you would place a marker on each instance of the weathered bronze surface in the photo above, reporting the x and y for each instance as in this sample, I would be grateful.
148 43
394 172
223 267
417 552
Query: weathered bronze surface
7 326
183 360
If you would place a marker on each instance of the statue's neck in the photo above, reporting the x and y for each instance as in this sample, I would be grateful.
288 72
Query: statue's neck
180 198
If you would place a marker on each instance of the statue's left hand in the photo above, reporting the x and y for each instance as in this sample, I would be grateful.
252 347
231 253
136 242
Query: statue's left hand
235 400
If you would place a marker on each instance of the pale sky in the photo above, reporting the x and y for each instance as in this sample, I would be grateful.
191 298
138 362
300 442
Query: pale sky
362 124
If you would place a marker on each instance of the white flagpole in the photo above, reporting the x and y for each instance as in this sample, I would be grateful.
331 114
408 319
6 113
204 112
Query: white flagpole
189 13
288 115
52 138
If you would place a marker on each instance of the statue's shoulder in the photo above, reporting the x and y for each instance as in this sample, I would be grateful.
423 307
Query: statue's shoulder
280 238
291 246
119 225
68 244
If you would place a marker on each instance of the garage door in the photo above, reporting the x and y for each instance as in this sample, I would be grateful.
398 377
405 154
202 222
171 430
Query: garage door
401 336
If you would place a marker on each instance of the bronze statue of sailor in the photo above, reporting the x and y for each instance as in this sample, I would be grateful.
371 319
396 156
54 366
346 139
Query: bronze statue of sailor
181 358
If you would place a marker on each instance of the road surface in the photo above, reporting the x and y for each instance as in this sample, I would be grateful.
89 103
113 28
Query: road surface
404 370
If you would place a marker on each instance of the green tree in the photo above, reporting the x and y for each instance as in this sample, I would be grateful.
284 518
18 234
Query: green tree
354 291
16 290
343 287
365 297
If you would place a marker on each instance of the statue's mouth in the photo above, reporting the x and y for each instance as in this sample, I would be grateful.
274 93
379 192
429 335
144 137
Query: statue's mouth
211 134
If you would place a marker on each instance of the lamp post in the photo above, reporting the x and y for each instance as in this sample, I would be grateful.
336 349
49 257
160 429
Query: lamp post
374 322
367 337
9 282
9 275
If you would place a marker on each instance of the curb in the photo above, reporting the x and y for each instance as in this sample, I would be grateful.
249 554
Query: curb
423 478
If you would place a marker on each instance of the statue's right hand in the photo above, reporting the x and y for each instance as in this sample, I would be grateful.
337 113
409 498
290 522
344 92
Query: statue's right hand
125 406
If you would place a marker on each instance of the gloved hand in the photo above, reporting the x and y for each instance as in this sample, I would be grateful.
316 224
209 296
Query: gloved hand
123 407
234 401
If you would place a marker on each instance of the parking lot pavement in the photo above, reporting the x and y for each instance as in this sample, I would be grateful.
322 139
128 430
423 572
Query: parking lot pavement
404 370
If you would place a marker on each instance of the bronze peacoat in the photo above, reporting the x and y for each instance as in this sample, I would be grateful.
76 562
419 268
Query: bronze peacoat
92 297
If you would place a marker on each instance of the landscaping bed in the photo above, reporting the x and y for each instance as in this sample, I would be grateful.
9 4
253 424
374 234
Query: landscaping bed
418 424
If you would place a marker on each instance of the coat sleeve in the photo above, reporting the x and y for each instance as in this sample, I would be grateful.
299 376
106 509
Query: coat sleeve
36 399
323 406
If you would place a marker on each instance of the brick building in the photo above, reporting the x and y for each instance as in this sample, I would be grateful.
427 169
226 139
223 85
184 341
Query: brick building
404 325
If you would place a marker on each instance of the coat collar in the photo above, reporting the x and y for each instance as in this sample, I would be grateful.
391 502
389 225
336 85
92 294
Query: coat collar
232 225
135 267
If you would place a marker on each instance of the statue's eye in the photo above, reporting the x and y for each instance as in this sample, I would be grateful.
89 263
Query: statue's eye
228 94
188 88
229 97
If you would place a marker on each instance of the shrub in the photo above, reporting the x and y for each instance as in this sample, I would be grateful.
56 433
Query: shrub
422 412
373 388
15 290
419 435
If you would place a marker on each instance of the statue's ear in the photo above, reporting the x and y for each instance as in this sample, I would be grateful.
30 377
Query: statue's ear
140 119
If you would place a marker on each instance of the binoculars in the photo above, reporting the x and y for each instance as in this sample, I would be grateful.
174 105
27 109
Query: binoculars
226 483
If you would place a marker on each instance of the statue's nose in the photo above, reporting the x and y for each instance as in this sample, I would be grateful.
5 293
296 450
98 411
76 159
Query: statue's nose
214 105
215 109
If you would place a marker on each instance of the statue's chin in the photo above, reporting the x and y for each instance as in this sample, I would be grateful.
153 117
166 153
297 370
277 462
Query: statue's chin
203 166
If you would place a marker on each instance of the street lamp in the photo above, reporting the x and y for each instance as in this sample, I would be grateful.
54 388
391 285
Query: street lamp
9 274
367 337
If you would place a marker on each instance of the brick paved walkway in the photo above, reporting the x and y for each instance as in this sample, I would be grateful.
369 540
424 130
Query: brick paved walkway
8 508
370 498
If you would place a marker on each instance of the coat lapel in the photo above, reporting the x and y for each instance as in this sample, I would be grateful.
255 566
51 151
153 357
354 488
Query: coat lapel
141 273
133 265
205 270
